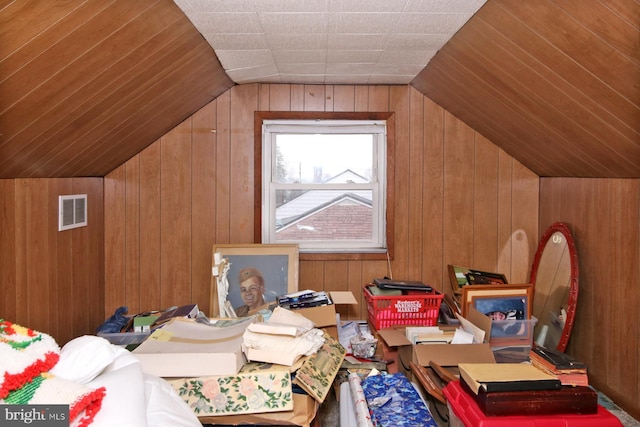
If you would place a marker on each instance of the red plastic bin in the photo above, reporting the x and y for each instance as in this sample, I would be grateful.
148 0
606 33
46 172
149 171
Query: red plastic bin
415 309
464 411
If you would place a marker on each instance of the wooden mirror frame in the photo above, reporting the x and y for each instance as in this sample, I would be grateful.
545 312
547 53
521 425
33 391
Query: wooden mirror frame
573 281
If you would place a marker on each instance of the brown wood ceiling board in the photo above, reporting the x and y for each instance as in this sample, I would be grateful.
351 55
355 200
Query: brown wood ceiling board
555 84
538 104
94 83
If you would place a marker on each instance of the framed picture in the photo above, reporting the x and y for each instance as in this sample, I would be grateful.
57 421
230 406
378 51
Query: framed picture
512 301
508 306
463 276
257 274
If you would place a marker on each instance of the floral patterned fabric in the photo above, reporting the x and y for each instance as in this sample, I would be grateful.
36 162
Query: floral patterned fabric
237 394
393 401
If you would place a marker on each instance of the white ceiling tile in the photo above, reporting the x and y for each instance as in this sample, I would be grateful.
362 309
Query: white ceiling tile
294 23
220 23
327 41
237 41
391 69
302 68
356 41
216 6
346 56
429 23
413 57
292 6
310 56
350 68
251 72
362 23
444 6
231 59
366 5
386 79
416 41
296 41
304 78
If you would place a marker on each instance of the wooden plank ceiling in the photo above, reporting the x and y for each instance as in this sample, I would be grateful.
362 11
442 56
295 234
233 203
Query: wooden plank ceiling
554 83
85 85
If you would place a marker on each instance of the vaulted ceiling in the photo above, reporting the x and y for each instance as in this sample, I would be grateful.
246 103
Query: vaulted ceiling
85 85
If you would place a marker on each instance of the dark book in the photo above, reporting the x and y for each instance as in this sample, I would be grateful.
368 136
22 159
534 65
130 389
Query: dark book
403 285
499 377
555 360
565 400
189 311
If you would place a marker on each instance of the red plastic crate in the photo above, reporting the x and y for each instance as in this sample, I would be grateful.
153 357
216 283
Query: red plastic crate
416 308
464 411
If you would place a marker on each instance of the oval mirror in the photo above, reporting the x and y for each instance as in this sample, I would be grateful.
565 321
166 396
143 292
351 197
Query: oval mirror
554 275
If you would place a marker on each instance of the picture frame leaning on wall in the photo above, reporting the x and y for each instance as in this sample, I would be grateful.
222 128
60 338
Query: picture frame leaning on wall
257 274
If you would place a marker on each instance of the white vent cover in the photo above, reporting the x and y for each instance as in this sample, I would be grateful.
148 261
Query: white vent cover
72 211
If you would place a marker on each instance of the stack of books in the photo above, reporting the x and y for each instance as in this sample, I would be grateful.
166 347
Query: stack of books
522 389
567 369
303 299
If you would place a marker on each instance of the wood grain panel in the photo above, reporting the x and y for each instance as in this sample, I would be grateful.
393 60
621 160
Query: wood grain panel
37 279
114 240
132 235
223 169
603 215
8 247
61 256
397 100
433 266
485 204
343 98
241 163
524 220
23 21
203 195
505 227
95 86
580 42
314 98
435 219
150 241
54 281
540 76
541 105
458 192
175 202
416 156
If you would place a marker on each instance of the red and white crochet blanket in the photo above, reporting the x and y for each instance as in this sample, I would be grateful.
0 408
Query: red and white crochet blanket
26 357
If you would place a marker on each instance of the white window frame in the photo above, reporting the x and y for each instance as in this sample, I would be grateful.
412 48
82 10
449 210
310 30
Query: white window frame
378 128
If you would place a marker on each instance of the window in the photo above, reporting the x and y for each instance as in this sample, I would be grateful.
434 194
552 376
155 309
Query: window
324 184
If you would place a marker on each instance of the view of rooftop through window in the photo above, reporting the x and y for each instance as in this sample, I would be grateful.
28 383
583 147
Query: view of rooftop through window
324 188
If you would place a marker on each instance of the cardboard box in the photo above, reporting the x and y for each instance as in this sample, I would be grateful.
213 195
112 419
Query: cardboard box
447 355
325 315
185 348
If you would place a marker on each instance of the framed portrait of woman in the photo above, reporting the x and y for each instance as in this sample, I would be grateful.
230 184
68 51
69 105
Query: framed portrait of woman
257 274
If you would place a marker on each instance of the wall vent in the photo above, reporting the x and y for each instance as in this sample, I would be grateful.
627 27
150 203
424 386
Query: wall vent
72 211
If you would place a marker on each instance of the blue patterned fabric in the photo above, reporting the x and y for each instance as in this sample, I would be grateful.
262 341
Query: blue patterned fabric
393 401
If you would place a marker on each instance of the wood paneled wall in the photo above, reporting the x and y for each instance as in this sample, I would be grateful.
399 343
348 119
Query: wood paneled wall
51 281
604 217
458 199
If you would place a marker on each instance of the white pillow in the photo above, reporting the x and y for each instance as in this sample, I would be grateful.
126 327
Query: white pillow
84 358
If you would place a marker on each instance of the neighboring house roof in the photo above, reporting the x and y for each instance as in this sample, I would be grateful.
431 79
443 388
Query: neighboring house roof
312 200
342 198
